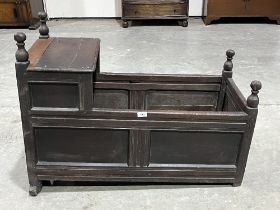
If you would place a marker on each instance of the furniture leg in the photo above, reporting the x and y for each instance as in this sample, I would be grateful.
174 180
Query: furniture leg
125 24
34 190
208 20
236 184
277 19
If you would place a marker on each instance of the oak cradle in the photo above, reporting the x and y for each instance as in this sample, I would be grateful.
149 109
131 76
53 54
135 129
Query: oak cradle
83 125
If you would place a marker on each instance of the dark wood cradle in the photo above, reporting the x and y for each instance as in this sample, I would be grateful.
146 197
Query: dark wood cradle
215 9
83 125
20 12
155 9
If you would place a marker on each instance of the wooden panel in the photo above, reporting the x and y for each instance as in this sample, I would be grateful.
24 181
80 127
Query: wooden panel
139 123
137 100
189 174
191 116
114 99
139 148
8 12
263 8
236 95
149 10
226 8
81 145
173 147
37 50
171 78
157 86
182 100
37 6
24 11
70 54
20 12
54 95
229 105
242 8
14 13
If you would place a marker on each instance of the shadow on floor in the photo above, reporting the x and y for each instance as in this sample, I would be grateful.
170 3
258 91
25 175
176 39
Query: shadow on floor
244 20
13 27
19 173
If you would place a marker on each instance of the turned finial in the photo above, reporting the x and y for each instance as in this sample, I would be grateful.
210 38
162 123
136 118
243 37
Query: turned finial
44 30
21 53
253 99
228 66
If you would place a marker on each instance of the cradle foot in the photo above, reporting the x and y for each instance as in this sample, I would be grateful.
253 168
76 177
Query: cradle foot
236 184
35 190
208 19
125 24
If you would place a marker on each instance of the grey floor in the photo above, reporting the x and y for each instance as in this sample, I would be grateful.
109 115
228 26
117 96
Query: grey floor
156 49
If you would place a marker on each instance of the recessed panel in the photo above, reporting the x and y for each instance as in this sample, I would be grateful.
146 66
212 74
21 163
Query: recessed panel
113 99
54 95
81 145
182 100
174 147
229 104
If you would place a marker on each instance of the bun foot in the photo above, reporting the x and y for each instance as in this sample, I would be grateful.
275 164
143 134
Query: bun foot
35 190
125 24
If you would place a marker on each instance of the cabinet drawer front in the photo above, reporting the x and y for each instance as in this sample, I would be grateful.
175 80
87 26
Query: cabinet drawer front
148 10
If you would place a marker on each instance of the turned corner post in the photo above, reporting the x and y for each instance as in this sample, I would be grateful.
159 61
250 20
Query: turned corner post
22 55
227 73
228 65
44 29
253 99
252 111
21 65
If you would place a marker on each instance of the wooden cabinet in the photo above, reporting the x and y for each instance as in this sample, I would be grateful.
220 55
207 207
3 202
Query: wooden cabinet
155 9
215 9
20 12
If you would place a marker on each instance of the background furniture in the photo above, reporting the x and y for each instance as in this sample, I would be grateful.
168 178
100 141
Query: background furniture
215 9
83 125
20 12
155 9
